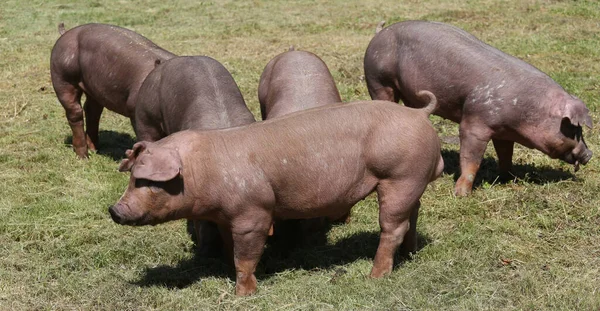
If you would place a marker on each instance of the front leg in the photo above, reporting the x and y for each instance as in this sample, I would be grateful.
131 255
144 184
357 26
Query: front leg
473 141
504 150
249 237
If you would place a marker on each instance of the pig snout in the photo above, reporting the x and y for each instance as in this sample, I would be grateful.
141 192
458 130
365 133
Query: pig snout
114 214
122 214
580 155
586 156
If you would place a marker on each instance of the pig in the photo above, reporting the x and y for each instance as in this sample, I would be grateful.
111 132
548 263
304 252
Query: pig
314 163
294 81
492 95
195 93
106 63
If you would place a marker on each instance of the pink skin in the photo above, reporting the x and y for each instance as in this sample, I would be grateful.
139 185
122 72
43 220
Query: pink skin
492 95
106 63
315 163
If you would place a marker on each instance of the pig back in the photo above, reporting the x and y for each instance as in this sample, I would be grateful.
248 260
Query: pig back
447 61
190 92
294 81
104 56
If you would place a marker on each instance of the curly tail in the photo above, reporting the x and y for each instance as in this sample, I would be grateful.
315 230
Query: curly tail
379 27
61 28
432 101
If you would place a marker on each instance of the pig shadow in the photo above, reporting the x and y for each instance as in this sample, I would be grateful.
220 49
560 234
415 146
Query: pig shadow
110 144
488 171
308 256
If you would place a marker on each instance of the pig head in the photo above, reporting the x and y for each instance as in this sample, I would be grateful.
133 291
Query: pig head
156 184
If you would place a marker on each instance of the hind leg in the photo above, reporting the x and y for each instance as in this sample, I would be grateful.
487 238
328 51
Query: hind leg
397 202
409 243
93 111
69 97
379 91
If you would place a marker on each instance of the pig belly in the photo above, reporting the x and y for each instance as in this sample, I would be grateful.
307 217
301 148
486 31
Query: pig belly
322 197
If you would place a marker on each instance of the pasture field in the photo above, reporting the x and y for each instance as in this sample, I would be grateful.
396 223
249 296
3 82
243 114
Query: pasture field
529 244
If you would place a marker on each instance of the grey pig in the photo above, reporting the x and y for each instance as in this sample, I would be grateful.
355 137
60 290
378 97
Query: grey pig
492 95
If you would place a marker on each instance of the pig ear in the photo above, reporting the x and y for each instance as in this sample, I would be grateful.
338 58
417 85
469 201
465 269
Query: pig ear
131 154
578 113
157 164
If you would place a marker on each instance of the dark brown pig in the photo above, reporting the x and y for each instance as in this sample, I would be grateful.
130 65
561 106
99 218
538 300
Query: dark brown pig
190 92
106 63
294 81
492 95
314 163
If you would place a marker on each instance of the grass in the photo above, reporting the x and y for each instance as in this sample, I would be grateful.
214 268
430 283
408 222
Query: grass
531 244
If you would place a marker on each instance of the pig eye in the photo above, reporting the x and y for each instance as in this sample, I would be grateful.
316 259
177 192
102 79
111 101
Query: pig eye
154 186
570 130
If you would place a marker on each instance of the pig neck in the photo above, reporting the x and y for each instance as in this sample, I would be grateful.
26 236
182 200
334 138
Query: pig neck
197 158
208 158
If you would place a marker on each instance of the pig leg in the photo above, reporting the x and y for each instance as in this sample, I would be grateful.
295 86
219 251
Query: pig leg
207 237
473 141
93 111
397 201
382 92
249 239
226 237
504 150
145 128
409 244
69 96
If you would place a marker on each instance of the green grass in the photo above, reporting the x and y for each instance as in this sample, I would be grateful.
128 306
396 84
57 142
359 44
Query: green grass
531 244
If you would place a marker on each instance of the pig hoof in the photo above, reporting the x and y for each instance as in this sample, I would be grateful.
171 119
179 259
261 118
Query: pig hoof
379 273
505 177
462 191
241 290
82 154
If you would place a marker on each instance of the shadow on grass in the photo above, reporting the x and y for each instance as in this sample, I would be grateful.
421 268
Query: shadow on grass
488 171
309 256
110 144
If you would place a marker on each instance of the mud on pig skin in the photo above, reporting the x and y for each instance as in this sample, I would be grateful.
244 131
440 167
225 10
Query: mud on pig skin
492 95
294 81
190 92
314 163
106 63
